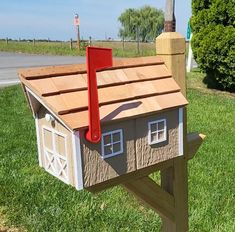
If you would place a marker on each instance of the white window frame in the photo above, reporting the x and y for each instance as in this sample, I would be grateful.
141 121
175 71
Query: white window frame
55 154
157 131
111 133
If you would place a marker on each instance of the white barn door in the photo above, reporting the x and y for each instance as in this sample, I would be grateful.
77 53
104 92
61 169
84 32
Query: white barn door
55 153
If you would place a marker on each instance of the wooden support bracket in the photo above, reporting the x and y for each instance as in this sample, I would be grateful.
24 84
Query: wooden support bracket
153 195
194 141
170 200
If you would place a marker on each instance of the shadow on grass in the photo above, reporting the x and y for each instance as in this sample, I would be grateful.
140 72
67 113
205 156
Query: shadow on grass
215 82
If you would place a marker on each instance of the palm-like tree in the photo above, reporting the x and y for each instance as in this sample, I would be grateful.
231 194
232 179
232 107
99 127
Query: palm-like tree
169 25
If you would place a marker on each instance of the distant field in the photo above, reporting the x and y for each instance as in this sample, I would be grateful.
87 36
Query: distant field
128 49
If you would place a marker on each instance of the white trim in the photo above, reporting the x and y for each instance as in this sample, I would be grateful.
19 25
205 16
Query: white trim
55 154
30 103
38 141
48 108
77 159
157 131
111 133
181 132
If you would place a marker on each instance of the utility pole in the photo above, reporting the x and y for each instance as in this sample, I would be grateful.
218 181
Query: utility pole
77 24
170 22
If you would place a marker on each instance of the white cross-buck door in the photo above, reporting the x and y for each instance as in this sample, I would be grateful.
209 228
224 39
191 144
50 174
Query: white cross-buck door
55 153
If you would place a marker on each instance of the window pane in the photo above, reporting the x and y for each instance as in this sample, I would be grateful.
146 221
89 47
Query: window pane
153 137
116 137
47 139
161 125
161 135
108 150
107 139
116 147
60 144
153 127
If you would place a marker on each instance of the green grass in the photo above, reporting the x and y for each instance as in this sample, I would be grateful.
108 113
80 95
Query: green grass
63 48
49 48
32 199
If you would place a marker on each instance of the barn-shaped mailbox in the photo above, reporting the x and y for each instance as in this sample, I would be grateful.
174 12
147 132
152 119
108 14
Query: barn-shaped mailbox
141 116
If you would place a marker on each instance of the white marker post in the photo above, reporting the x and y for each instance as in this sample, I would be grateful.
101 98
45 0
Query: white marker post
77 24
190 52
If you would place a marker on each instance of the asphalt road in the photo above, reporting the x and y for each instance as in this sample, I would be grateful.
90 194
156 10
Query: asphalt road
10 63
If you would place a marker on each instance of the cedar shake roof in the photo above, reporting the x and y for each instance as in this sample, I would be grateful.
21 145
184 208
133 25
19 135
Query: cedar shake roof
132 87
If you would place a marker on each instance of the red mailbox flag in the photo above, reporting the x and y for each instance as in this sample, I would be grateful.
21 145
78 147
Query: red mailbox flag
97 59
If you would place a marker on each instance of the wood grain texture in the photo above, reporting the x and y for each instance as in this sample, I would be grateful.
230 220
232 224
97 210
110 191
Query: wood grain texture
129 177
76 101
194 141
96 169
125 110
153 195
170 43
174 180
73 83
181 194
138 154
52 71
170 47
151 154
176 63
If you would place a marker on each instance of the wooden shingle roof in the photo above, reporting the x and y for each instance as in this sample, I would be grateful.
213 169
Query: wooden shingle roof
132 87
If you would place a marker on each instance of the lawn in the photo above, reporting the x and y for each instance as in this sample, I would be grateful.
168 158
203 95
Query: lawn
34 200
63 48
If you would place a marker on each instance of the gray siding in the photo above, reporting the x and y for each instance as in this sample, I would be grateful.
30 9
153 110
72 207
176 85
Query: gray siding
137 152
152 154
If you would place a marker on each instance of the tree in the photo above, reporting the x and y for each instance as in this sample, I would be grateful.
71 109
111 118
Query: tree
213 27
146 22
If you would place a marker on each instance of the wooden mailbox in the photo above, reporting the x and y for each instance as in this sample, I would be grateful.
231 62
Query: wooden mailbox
143 127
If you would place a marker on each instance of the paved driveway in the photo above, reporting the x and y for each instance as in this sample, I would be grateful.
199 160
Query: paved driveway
11 62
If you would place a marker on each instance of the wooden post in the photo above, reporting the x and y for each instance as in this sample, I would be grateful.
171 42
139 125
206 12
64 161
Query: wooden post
90 43
123 43
7 40
33 42
71 44
170 200
78 37
174 180
170 46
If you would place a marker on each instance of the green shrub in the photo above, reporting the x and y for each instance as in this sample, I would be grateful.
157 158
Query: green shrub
213 41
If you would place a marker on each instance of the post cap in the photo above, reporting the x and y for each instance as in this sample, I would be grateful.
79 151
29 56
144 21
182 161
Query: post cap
170 43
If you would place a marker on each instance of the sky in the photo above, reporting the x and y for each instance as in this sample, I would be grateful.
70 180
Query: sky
53 19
